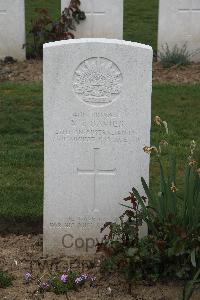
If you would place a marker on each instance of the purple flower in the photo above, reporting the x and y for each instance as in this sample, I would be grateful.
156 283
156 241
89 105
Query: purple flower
64 278
78 280
84 276
28 276
92 278
44 285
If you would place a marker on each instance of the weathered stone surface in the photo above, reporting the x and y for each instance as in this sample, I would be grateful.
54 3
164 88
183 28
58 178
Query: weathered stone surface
104 19
12 29
179 24
97 112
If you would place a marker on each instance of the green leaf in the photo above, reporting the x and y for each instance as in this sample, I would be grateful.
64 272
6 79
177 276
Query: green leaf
147 215
193 258
132 251
146 189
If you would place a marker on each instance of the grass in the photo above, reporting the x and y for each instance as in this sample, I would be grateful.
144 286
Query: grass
5 280
175 56
140 18
141 21
21 152
21 136
178 105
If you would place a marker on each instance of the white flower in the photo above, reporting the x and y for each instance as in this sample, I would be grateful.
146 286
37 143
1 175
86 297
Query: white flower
166 127
15 261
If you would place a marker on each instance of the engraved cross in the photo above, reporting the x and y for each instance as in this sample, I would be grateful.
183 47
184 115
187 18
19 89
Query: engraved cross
189 12
96 172
92 13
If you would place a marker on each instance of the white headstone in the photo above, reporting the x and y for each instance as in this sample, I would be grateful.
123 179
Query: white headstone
104 19
97 115
179 24
12 29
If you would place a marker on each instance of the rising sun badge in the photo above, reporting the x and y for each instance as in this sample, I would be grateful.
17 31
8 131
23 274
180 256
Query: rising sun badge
97 81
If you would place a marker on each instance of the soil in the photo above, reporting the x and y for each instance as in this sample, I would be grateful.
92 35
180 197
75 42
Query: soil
31 70
28 70
19 227
23 253
176 74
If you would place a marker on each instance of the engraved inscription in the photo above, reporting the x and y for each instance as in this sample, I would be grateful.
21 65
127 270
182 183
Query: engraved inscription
97 81
96 127
82 223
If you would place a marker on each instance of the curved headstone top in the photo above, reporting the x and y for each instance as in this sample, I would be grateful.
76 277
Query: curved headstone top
97 117
97 40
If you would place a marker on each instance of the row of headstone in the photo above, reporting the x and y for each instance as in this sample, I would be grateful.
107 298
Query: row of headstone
104 19
179 24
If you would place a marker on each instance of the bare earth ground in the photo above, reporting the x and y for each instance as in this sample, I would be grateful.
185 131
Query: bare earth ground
21 254
31 70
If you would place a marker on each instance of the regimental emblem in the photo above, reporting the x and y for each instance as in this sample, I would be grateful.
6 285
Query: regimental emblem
97 81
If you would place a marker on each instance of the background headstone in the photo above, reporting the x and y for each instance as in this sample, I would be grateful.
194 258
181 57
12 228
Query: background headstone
97 115
12 29
104 19
179 24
